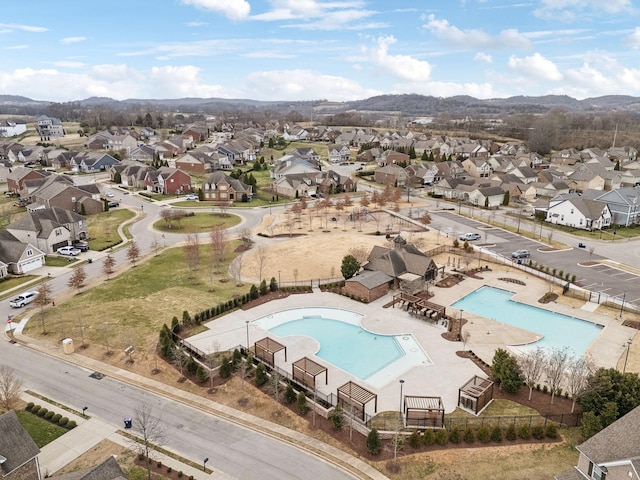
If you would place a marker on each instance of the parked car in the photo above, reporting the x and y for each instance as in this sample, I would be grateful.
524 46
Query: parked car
113 203
521 254
23 299
83 247
191 196
68 250
470 236
110 195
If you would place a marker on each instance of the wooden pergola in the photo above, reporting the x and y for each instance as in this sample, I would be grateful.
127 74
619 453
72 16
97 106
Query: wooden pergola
306 370
423 412
476 394
419 306
355 398
266 349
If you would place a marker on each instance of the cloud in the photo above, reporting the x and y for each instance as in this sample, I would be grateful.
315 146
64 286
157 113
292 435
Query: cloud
474 38
303 85
68 40
9 27
483 57
196 24
67 64
16 47
535 67
633 40
570 10
401 66
314 15
232 9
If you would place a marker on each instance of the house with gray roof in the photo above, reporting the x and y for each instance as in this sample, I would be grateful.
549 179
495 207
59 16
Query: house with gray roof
368 285
578 212
49 228
107 470
220 187
19 257
18 451
624 204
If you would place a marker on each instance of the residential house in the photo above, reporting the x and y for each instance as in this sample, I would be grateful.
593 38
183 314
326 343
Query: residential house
19 257
330 182
18 451
478 167
296 185
199 132
371 155
391 157
107 470
451 168
130 174
4 269
49 127
391 174
624 155
168 181
288 165
568 156
339 153
194 162
580 213
18 176
525 174
91 162
49 228
368 285
427 174
610 454
142 153
12 129
295 133
624 204
454 188
583 179
490 197
83 199
5 170
220 187
308 153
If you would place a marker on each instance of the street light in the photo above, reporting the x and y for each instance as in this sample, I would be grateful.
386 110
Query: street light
279 287
204 464
269 207
401 409
460 325
626 357
622 307
246 322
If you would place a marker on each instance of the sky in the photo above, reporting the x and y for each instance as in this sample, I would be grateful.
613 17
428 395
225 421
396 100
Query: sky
336 50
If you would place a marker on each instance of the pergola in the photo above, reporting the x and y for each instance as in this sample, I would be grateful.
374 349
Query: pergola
355 398
306 370
266 349
419 306
423 412
476 394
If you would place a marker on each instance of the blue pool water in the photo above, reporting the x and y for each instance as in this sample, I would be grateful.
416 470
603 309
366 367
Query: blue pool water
347 346
559 330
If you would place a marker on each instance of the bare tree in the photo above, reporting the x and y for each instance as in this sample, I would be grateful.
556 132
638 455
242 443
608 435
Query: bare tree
532 365
192 251
261 260
425 218
218 241
10 387
235 268
107 265
150 432
133 253
592 249
155 245
360 253
578 372
77 279
166 214
42 300
554 368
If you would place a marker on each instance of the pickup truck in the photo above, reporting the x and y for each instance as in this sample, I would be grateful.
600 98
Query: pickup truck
23 299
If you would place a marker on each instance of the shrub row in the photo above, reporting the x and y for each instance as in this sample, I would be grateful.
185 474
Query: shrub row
50 415
553 271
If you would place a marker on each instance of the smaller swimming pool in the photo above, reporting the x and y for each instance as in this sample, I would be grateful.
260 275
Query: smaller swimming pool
558 330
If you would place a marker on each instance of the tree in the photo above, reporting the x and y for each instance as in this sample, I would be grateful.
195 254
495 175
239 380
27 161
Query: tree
554 368
192 251
505 199
10 387
150 433
360 253
532 365
610 385
218 241
133 253
505 370
77 279
373 444
350 266
107 265
42 300
577 374
261 260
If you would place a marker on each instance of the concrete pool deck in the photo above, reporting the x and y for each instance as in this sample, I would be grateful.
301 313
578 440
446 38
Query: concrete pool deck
448 372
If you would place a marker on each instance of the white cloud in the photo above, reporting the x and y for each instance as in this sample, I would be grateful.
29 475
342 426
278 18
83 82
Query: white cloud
474 38
232 9
588 81
303 85
569 10
67 64
16 47
68 40
9 27
535 66
633 40
483 57
401 66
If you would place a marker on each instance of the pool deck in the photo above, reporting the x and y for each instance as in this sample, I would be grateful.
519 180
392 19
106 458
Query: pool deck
448 372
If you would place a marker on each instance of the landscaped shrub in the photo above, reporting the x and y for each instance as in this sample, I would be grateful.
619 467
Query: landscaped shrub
454 435
289 395
225 368
545 389
236 359
71 424
49 415
35 409
483 434
469 435
169 470
29 406
511 432
414 439
551 431
428 437
524 432
180 474
441 436
373 444
42 412
63 421
56 418
337 418
496 433
201 374
261 375
537 431
303 406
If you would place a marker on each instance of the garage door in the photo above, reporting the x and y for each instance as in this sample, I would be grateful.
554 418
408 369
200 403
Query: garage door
31 265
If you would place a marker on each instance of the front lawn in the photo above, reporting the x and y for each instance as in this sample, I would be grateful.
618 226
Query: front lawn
103 228
197 223
42 431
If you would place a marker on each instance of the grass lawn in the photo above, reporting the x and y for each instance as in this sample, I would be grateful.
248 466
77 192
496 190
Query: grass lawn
199 222
103 227
59 260
12 282
42 431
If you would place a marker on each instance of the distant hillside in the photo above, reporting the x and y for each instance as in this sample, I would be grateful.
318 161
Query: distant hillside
406 105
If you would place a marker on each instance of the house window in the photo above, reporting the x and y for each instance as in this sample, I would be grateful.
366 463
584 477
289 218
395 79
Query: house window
223 195
599 473
29 253
572 211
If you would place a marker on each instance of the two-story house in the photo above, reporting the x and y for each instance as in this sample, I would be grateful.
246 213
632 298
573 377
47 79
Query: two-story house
18 451
220 187
49 228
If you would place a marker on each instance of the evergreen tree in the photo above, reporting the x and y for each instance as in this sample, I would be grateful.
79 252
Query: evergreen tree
373 444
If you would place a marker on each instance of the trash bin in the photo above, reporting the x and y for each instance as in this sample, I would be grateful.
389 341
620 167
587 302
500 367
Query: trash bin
67 346
127 423
90 260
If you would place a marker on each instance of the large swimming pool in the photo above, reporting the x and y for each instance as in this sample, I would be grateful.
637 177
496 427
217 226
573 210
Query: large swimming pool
345 344
558 330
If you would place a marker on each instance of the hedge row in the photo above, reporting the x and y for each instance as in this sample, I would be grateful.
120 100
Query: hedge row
50 415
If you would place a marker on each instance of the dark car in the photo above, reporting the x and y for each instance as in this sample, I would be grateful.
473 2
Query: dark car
83 247
113 203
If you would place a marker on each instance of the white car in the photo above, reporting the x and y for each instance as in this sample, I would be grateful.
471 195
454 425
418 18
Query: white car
22 299
191 196
110 195
68 250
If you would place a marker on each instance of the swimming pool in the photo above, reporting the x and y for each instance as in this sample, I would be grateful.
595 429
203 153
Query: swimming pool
558 330
345 344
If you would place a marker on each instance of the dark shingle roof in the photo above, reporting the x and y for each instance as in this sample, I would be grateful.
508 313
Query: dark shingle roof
15 443
107 470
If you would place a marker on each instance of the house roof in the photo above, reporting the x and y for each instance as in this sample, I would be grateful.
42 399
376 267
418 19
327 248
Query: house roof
402 259
15 443
12 249
371 279
107 470
44 220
